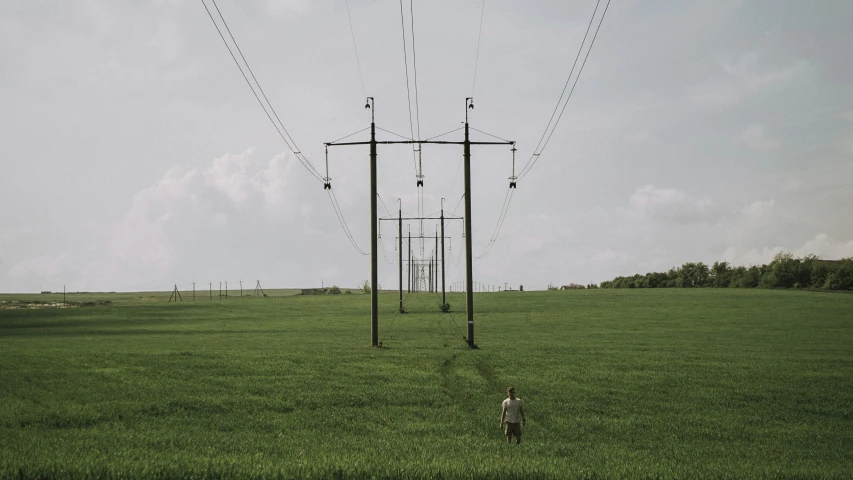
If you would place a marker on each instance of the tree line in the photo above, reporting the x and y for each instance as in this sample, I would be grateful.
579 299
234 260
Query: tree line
785 271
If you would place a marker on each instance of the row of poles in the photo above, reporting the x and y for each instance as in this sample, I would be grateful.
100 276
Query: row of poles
374 220
478 287
176 294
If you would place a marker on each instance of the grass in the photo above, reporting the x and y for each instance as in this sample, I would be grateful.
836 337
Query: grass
616 383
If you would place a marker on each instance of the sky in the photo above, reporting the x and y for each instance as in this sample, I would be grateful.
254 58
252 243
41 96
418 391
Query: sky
135 157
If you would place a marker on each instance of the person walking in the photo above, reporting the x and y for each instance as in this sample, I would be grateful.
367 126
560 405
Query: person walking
512 413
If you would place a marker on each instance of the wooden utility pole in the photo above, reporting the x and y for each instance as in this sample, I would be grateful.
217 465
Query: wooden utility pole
443 300
469 258
400 249
411 270
374 261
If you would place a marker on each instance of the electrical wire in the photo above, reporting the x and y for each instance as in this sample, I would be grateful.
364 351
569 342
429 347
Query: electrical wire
458 257
357 60
343 221
443 134
384 253
351 134
537 152
568 80
408 93
390 215
489 134
288 140
397 134
477 58
415 68
457 205
500 222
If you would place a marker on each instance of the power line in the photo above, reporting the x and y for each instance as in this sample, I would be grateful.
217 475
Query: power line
500 222
392 133
489 134
342 220
357 60
415 68
445 133
457 205
384 253
408 93
288 140
477 58
291 144
390 215
351 134
535 156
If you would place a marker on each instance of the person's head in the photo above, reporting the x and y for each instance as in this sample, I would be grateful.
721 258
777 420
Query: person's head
510 391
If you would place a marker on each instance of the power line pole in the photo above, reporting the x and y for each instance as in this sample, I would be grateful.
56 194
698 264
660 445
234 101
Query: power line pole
374 261
400 249
469 263
435 281
443 300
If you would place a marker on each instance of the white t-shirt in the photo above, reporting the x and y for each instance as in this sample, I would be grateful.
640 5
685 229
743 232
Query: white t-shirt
513 410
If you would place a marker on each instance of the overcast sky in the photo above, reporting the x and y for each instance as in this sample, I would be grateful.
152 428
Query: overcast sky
134 156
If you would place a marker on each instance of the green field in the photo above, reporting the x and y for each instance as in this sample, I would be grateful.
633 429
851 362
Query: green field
616 383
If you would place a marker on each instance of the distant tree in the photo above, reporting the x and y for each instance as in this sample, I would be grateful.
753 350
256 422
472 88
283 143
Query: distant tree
692 275
752 277
784 272
818 274
804 270
672 277
656 280
840 276
768 280
365 286
721 274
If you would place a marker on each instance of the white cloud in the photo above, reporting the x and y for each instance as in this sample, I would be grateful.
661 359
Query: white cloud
826 247
9 234
144 244
42 266
759 209
743 78
670 205
822 245
752 256
754 136
609 255
650 197
241 178
847 141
